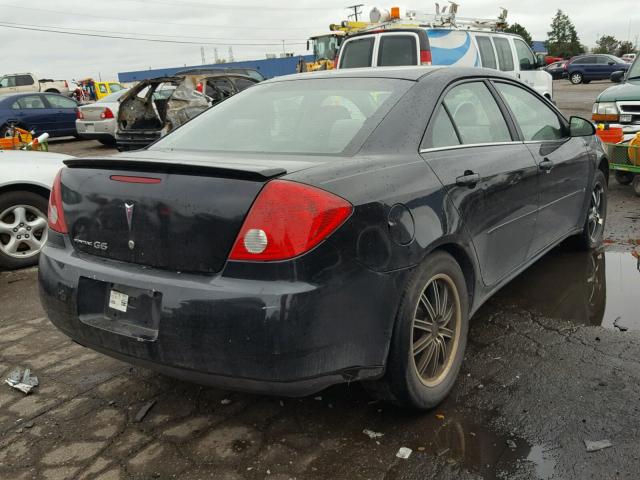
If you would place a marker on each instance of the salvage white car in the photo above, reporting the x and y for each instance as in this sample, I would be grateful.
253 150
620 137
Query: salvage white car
25 182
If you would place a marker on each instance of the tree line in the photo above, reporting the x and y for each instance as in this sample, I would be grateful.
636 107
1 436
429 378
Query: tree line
563 41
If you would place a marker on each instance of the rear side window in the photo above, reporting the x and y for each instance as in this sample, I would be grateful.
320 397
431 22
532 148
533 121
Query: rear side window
397 50
443 133
357 53
487 55
505 57
476 114
243 83
24 80
58 101
536 120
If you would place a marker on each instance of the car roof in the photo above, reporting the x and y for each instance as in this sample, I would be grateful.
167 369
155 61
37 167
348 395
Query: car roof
412 73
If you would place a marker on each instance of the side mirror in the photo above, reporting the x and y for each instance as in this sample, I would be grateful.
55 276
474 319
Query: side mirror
618 77
579 127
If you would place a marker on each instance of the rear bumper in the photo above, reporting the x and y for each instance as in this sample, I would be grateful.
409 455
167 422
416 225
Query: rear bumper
282 337
136 141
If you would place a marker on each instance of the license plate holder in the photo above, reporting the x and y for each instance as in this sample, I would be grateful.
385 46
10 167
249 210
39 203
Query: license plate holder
90 127
122 309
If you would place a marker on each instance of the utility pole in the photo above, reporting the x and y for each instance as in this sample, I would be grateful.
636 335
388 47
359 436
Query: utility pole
202 55
231 58
284 52
216 58
356 11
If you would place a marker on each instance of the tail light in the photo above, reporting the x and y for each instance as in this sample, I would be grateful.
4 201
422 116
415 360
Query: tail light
200 87
66 85
57 222
288 219
106 113
79 114
425 57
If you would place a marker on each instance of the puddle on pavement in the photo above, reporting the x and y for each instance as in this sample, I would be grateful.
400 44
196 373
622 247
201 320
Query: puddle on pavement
585 288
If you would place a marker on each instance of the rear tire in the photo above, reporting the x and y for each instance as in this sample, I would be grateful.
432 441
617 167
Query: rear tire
593 231
429 337
576 78
624 178
32 229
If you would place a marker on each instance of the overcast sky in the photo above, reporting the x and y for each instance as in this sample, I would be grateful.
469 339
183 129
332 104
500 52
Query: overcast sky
239 22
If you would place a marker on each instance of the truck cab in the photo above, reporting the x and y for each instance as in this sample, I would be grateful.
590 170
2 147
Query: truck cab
27 82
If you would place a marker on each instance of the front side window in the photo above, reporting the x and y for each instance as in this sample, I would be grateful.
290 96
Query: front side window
327 116
31 102
357 53
396 50
526 58
536 120
8 82
476 114
487 54
505 57
102 87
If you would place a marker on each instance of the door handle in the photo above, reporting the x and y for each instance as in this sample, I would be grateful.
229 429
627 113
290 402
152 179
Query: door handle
546 165
469 179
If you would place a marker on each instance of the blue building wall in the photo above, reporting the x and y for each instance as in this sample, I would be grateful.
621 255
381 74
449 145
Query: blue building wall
273 67
539 47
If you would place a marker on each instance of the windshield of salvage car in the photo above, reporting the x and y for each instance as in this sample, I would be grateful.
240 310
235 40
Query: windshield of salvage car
320 116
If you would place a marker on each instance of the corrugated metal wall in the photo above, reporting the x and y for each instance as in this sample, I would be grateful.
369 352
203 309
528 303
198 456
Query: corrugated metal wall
269 68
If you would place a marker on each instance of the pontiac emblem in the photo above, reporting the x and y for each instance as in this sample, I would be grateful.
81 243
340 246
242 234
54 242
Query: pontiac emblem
132 244
129 211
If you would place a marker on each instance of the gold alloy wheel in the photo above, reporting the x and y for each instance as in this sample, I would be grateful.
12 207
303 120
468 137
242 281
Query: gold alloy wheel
435 332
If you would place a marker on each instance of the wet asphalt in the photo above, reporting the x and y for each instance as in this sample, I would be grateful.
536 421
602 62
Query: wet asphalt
553 361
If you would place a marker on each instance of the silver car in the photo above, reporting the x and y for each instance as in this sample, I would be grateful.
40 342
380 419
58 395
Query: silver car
98 121
25 183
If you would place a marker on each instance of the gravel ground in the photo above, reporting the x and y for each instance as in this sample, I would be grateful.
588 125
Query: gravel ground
553 361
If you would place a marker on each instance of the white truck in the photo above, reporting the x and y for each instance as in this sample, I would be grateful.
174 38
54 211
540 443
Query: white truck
27 82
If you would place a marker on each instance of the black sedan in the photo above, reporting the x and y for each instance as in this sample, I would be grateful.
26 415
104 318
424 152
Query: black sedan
321 228
557 70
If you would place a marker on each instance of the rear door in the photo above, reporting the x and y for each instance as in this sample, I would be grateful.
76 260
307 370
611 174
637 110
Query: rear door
397 49
562 161
357 52
489 175
25 83
65 113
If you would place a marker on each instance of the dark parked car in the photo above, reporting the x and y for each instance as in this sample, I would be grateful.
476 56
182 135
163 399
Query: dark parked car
263 248
557 70
156 106
42 112
584 68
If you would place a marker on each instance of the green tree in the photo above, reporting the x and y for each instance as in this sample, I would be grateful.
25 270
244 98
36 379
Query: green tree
520 30
607 44
562 40
625 47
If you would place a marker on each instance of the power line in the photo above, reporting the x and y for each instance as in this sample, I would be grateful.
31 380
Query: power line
156 40
218 6
83 30
119 19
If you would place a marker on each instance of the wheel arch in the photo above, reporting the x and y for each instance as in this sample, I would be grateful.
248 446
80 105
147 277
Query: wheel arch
603 165
26 187
52 90
465 261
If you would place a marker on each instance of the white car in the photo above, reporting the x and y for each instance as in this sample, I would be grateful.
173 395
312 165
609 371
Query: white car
98 121
25 182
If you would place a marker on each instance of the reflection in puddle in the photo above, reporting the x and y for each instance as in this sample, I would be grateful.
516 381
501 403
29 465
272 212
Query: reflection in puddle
586 288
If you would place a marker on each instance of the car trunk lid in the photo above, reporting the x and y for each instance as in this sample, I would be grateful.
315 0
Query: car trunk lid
181 216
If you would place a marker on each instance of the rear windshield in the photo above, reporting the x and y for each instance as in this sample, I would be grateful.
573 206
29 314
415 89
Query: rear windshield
319 116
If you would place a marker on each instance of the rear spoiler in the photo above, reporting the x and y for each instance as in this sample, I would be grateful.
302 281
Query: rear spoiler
243 172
